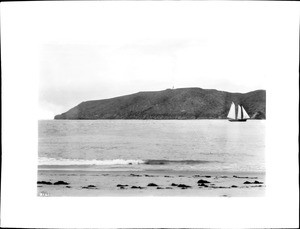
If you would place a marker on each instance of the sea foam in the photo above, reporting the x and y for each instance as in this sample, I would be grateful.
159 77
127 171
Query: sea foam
62 162
54 161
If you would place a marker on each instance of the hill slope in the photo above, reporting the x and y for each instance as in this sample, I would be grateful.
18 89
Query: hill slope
182 103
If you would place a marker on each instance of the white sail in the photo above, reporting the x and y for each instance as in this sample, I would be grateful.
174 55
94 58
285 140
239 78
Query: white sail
245 115
239 115
231 113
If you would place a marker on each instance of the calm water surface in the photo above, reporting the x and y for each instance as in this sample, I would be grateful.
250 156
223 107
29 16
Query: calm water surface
125 145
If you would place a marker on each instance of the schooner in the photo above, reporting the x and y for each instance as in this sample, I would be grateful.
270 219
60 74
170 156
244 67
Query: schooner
240 116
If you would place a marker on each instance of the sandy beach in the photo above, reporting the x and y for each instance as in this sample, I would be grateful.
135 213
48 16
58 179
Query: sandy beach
150 183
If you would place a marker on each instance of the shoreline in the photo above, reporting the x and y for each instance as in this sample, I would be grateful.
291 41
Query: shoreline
152 183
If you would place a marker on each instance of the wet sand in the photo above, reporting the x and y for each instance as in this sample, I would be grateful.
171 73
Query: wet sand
150 183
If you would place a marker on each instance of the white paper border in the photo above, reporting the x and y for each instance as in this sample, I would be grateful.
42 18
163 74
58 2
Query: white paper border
24 29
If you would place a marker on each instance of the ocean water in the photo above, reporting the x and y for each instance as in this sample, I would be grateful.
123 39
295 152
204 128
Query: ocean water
145 145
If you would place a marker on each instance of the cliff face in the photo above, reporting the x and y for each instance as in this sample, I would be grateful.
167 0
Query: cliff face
182 103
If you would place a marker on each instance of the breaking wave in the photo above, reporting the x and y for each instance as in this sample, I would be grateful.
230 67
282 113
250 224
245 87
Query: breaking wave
64 162
166 162
54 161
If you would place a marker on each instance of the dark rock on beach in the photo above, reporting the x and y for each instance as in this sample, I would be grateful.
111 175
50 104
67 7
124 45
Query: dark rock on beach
183 186
159 188
234 186
61 183
152 185
206 176
203 181
44 182
245 177
68 186
90 187
255 182
149 175
122 185
202 185
215 187
134 175
136 187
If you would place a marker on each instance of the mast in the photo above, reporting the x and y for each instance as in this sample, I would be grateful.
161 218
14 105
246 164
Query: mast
239 116
242 116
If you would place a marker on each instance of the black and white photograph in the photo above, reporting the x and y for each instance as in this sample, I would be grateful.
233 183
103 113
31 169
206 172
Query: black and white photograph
186 141
127 109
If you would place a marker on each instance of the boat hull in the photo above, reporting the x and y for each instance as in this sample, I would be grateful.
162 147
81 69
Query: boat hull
237 120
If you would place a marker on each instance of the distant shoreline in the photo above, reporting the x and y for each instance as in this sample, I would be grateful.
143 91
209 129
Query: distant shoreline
176 104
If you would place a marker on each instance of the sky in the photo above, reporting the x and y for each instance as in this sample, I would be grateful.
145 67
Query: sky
116 51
